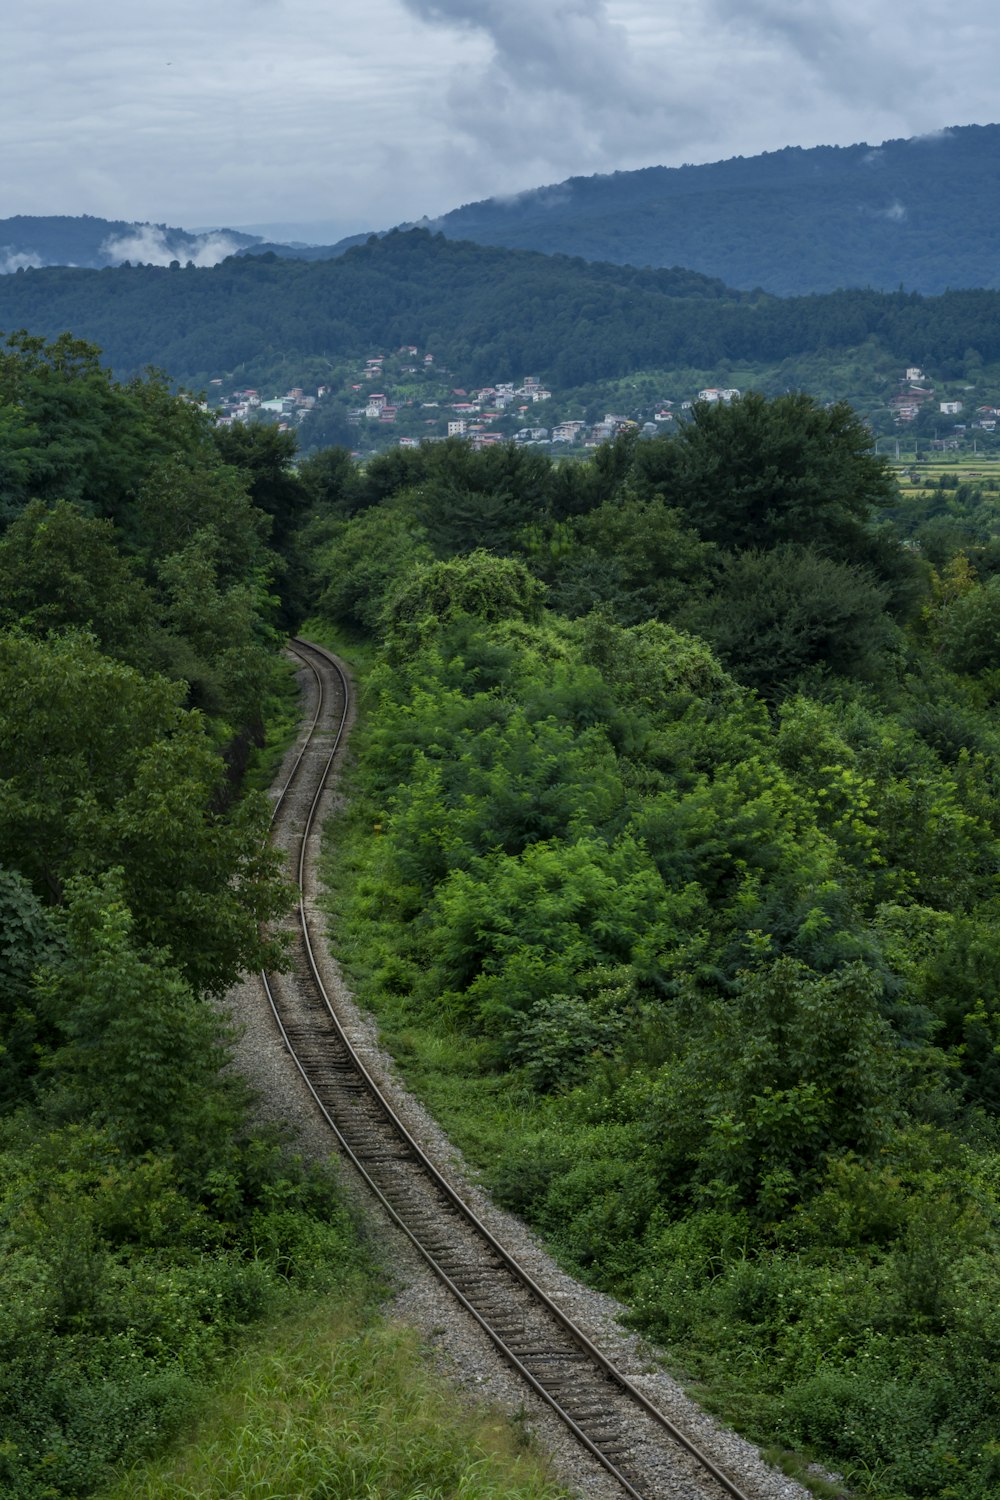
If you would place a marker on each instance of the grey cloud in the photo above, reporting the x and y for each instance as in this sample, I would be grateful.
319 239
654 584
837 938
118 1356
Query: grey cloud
563 84
542 197
279 109
850 53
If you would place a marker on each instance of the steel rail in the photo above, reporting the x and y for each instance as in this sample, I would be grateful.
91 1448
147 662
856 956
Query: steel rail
307 652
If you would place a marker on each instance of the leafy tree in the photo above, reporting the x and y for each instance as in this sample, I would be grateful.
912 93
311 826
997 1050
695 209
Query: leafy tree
365 559
794 1069
757 473
17 441
635 556
80 435
184 494
60 567
99 767
491 588
777 615
28 940
136 1051
469 500
215 637
967 629
509 934
265 454
331 481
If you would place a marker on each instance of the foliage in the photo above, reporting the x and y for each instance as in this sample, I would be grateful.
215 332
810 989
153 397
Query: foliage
680 908
791 221
756 473
60 567
362 558
481 585
487 310
776 616
143 1225
634 557
103 767
968 629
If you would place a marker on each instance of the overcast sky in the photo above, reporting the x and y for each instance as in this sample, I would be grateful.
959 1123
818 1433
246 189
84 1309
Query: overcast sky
234 112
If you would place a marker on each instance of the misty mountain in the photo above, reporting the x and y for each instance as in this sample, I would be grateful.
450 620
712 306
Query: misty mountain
31 242
922 214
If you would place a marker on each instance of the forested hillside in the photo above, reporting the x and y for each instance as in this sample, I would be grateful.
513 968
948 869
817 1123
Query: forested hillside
670 868
919 214
484 310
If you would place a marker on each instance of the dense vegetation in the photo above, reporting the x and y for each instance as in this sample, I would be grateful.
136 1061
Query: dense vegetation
147 1226
919 214
143 1222
486 313
670 866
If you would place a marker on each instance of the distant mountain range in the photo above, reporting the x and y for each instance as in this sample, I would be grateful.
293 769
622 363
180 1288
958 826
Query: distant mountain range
923 214
920 214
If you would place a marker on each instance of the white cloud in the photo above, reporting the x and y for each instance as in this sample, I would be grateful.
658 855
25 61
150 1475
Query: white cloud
17 260
148 245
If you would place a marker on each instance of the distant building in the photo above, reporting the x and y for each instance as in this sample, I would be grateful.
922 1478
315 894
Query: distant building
713 393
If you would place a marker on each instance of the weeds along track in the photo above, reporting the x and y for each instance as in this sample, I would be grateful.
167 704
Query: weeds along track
643 1450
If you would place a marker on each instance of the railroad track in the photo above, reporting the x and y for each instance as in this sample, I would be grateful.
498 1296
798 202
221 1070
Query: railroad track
613 1420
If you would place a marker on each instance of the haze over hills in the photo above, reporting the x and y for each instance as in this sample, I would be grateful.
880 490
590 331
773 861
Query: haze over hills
30 242
922 214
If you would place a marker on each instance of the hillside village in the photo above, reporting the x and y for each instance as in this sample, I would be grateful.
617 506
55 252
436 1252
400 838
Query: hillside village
406 398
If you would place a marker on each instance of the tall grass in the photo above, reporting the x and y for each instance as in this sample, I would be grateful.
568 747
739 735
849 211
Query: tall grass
331 1407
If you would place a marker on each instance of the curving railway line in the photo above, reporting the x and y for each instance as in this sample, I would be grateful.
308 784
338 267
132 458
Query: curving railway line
646 1454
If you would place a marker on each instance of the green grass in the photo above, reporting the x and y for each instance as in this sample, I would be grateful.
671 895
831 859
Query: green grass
283 706
357 651
282 716
330 1406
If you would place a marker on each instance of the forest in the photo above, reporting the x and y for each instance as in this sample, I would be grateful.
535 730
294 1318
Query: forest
918 213
668 865
479 310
